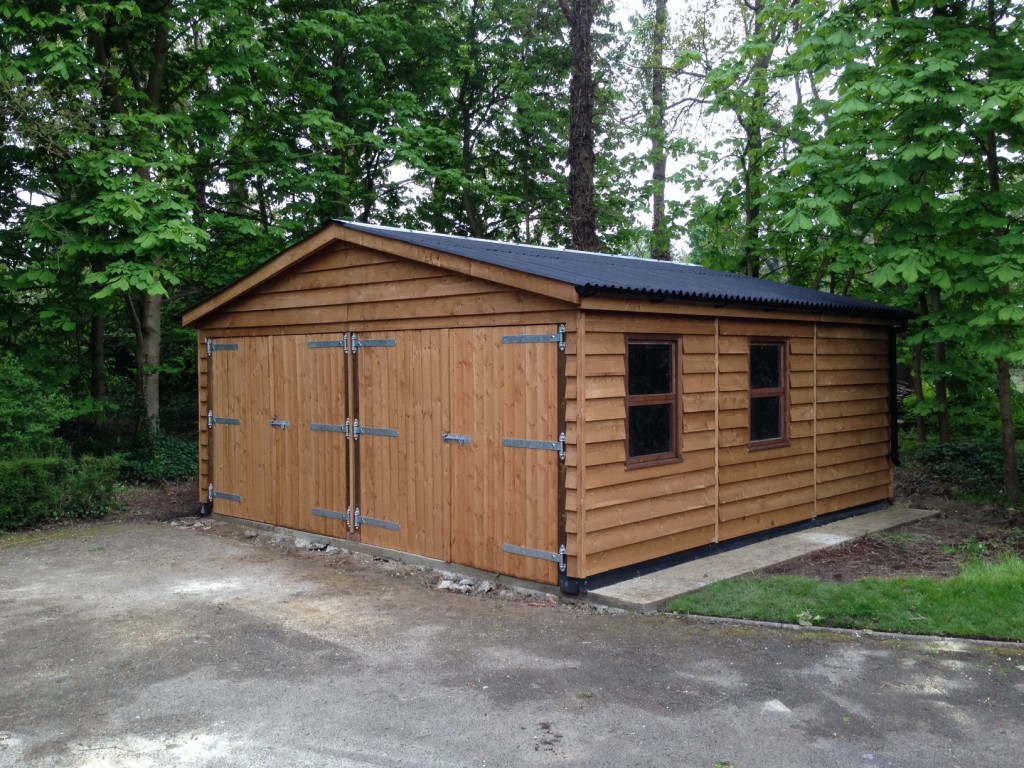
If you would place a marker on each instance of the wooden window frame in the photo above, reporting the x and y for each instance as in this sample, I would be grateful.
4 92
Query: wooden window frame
781 391
673 398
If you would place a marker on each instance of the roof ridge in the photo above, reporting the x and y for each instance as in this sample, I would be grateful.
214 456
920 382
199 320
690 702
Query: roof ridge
485 241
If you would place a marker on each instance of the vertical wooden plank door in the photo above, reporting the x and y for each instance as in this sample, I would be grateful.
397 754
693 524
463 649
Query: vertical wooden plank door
240 446
503 495
310 450
401 402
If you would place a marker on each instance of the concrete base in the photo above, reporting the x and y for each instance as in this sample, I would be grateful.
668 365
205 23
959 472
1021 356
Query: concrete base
408 558
653 591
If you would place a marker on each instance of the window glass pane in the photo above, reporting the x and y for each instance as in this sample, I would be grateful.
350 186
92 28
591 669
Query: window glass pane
765 418
650 429
650 369
765 366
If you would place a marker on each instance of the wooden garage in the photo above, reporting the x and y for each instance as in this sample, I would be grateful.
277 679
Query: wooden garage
536 412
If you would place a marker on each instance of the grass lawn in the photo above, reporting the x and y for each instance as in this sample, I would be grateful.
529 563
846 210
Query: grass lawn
986 600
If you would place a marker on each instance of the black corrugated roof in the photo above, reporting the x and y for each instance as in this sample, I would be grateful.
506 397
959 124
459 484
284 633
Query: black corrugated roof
600 273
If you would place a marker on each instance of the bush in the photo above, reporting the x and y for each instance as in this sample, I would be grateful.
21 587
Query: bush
90 485
29 416
35 490
161 457
969 468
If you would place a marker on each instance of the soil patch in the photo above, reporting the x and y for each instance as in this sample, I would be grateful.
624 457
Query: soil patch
936 546
163 502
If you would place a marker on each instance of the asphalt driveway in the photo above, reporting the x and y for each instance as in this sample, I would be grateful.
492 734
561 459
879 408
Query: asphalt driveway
141 644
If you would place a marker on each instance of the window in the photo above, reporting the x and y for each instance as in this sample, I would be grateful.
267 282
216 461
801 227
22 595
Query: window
769 397
652 399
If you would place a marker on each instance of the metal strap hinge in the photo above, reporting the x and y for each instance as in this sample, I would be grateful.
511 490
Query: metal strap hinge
211 420
341 343
346 515
361 520
211 347
342 428
376 431
357 343
540 445
555 557
538 338
212 494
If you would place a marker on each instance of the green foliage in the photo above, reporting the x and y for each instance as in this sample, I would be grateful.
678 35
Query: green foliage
89 487
161 457
37 490
971 469
29 415
986 600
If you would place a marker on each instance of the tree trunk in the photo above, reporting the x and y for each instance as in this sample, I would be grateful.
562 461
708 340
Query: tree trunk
922 424
469 201
582 209
97 377
753 154
940 372
660 242
1011 477
149 346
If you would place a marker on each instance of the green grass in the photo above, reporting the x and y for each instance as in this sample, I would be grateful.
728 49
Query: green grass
986 600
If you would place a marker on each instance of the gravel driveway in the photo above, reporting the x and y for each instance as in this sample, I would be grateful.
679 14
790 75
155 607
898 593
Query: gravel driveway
141 644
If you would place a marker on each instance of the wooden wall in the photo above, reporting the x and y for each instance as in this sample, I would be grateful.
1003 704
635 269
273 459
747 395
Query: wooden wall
837 456
349 286
630 515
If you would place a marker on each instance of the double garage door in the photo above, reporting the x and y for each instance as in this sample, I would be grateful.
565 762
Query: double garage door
443 443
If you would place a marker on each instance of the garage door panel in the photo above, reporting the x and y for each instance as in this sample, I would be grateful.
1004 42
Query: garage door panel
240 452
504 497
400 407
312 463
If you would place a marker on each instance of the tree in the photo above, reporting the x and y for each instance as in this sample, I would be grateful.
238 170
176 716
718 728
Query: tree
919 173
582 209
493 138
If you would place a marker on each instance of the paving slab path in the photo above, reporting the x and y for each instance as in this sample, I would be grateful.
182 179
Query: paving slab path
139 644
651 592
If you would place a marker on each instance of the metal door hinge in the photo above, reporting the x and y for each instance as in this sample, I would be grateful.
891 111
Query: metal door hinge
375 431
342 428
447 437
346 515
361 520
212 494
341 343
211 420
538 338
554 557
211 347
357 343
539 445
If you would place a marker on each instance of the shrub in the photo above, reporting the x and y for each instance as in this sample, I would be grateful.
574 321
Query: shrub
29 416
30 491
35 490
89 487
971 468
161 457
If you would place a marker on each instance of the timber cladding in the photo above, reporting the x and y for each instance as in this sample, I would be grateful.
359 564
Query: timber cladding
393 392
